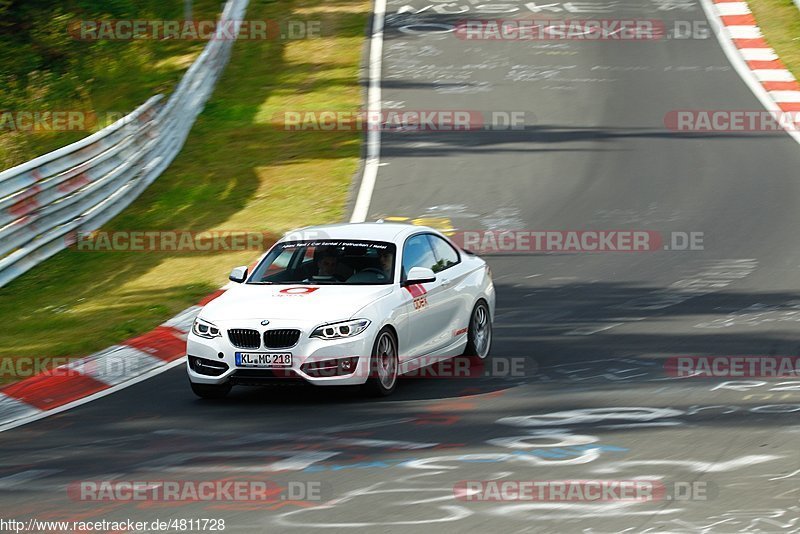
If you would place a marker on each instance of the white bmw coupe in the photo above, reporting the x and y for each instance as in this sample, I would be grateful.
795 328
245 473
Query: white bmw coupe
341 305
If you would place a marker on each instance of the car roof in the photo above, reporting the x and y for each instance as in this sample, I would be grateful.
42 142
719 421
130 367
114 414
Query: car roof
370 231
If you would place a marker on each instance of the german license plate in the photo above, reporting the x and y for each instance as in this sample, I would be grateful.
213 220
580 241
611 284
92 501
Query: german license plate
264 360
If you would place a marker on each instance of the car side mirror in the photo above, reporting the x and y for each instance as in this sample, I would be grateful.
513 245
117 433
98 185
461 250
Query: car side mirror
238 274
419 275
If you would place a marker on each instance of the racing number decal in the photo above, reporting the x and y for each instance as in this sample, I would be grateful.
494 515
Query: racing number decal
417 292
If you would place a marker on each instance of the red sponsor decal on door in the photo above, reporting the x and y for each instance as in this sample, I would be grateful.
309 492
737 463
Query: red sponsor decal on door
416 290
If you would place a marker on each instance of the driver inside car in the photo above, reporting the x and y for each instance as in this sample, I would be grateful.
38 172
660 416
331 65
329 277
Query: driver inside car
326 260
386 259
326 263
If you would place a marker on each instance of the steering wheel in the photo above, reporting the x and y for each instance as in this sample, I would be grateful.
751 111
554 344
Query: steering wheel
373 270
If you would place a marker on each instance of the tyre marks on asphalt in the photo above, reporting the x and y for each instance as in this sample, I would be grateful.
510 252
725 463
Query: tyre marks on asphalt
374 471
548 440
716 277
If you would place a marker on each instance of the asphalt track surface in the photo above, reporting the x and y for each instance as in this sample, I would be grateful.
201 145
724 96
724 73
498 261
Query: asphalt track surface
592 330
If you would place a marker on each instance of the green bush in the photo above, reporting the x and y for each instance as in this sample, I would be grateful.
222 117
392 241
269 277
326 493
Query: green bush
42 67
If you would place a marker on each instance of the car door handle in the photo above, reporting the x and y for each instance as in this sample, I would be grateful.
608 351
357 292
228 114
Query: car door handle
446 283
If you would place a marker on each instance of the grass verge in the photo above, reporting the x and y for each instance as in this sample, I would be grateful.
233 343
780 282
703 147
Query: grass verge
779 21
238 171
45 68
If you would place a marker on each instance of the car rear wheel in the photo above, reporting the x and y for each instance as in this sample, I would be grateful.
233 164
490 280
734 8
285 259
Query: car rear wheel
383 365
211 391
479 334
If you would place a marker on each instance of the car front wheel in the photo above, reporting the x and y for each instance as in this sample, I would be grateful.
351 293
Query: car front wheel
383 365
479 334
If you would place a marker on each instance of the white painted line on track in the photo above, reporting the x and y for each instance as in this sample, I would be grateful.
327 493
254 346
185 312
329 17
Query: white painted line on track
364 199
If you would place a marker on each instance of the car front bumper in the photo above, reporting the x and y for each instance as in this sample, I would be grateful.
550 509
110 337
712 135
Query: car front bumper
220 352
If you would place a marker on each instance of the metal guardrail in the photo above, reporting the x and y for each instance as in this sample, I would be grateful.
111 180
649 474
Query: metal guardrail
46 202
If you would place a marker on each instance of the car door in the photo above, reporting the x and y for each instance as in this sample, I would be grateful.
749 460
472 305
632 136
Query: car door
456 299
426 302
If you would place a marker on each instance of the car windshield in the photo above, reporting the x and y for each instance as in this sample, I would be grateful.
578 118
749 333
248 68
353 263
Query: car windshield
334 262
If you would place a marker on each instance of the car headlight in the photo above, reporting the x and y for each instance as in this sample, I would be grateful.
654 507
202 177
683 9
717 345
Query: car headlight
205 329
341 330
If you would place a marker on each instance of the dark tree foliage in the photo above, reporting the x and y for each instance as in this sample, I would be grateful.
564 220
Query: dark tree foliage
36 48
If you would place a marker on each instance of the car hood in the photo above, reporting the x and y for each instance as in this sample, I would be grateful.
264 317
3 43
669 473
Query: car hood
325 302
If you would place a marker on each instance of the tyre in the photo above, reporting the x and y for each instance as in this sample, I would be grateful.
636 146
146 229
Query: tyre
479 334
383 365
210 391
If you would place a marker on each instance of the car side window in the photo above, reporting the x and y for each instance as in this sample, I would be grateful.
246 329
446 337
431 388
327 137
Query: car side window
417 252
446 255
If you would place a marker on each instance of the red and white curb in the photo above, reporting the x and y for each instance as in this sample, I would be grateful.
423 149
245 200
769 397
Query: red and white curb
99 374
751 56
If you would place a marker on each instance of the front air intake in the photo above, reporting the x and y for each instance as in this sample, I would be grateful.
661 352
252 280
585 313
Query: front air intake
281 339
244 338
